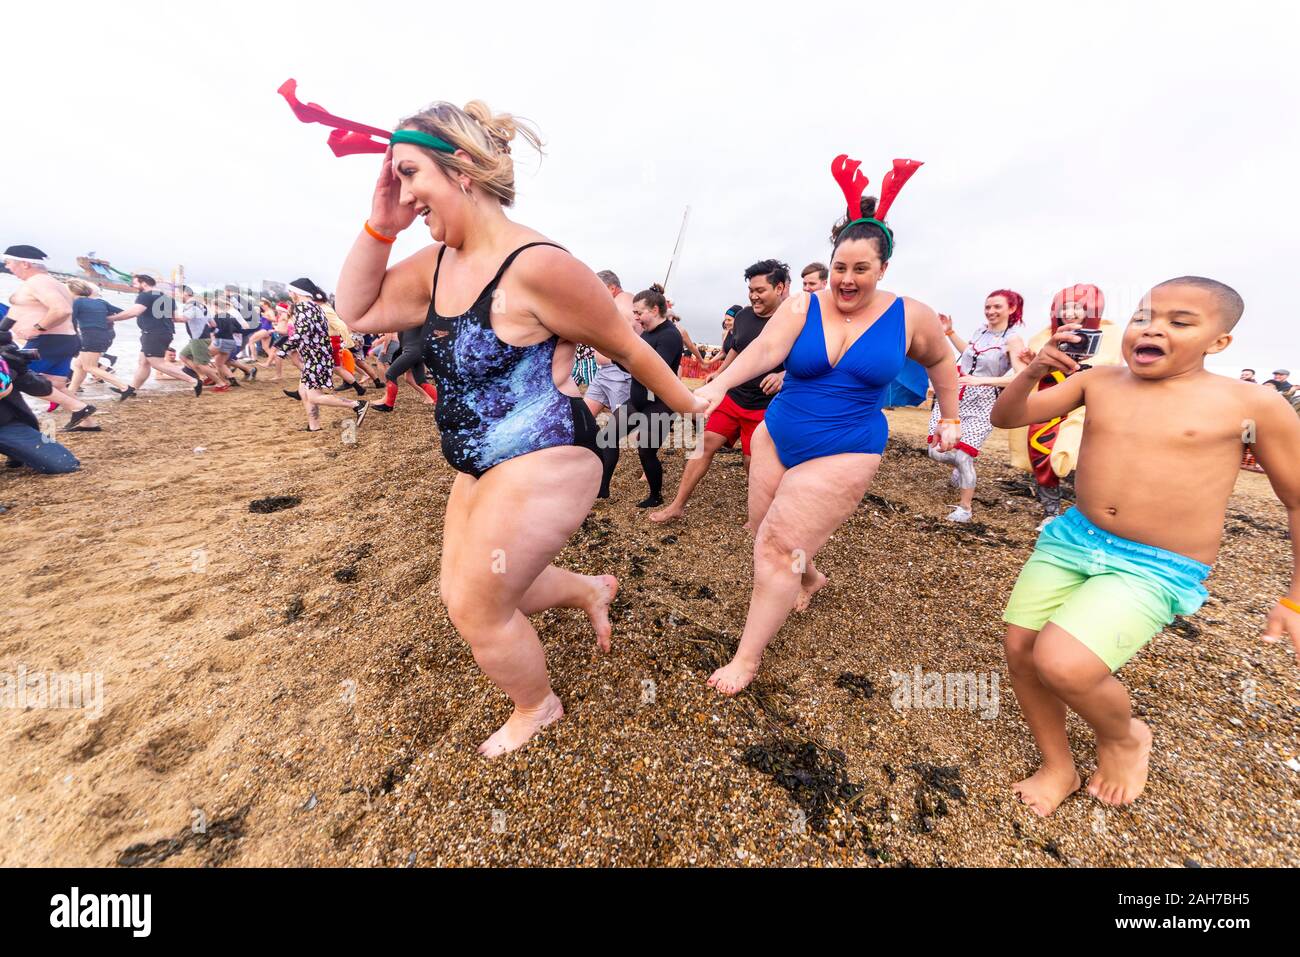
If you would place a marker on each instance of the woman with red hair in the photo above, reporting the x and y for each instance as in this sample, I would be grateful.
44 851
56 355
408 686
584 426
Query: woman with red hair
990 360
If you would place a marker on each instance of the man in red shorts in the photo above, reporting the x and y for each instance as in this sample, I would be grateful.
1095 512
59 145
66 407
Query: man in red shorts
743 408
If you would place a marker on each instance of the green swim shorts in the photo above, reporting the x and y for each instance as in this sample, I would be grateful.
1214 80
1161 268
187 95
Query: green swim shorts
1112 594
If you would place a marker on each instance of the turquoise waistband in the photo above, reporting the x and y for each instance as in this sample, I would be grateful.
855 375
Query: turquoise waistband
1076 543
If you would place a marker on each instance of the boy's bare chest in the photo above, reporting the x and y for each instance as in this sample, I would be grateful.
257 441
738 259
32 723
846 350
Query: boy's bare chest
1187 419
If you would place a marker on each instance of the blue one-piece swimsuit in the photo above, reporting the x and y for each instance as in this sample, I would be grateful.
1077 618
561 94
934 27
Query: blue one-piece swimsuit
496 401
828 410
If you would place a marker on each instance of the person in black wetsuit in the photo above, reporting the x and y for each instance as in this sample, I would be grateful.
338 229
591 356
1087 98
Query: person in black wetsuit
644 417
409 359
501 307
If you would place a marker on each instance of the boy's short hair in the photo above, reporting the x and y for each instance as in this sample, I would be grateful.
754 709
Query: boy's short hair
819 268
1228 300
144 278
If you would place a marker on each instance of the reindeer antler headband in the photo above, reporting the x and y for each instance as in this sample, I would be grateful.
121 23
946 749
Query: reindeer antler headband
348 137
854 184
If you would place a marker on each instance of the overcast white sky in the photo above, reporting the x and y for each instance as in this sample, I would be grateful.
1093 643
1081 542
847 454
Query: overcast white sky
1115 143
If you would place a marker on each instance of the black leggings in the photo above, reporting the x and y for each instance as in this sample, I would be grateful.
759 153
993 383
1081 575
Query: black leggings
653 427
409 359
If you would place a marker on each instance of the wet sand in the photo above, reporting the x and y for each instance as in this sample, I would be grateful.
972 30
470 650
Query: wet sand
285 688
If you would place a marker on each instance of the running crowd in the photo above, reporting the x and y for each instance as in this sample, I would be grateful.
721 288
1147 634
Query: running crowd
495 311
55 334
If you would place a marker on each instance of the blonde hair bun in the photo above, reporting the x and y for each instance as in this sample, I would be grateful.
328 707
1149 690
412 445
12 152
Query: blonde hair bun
483 137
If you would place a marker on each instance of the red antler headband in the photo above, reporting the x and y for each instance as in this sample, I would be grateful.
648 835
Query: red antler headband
854 184
349 137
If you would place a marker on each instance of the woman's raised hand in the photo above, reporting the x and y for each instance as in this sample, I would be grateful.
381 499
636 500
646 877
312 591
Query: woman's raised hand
946 322
387 214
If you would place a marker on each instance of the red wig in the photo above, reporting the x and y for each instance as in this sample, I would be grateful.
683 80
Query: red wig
1015 301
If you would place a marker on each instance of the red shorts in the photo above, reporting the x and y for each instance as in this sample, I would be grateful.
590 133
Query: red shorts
336 342
731 422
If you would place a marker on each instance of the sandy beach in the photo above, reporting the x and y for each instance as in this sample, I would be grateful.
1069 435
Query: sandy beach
285 688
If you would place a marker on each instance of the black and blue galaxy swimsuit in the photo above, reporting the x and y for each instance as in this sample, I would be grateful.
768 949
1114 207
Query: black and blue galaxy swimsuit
497 401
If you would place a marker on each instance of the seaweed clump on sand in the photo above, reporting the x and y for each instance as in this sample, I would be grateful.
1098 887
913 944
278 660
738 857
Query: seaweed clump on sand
937 785
859 686
817 784
274 503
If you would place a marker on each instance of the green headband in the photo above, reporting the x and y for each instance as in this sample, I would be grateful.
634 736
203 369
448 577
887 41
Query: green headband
889 233
416 138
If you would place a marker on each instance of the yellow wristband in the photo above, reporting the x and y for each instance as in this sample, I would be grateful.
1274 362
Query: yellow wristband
950 421
1288 603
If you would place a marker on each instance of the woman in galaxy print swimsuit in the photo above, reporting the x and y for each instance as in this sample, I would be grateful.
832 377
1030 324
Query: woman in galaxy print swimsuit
500 307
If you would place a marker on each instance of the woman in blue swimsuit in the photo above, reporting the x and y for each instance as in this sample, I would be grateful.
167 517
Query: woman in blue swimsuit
500 307
820 443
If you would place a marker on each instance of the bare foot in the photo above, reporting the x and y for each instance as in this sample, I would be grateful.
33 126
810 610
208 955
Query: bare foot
806 592
732 677
669 514
1122 766
1044 790
604 588
521 726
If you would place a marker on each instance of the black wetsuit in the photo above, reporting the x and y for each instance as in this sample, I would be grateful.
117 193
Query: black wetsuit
649 417
496 401
410 358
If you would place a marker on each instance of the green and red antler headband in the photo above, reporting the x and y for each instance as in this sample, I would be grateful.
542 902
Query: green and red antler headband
854 184
349 137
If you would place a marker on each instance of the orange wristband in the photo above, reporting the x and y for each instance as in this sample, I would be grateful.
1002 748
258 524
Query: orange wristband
950 421
376 234
951 332
1288 603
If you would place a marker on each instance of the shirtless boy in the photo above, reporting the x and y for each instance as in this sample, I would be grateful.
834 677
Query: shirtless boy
1110 574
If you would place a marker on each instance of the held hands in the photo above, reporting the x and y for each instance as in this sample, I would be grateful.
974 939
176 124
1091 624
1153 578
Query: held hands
387 214
1284 621
949 436
772 383
710 396
1050 358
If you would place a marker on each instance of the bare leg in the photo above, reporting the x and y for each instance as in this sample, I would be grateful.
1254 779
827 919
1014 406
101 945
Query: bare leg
512 522
69 402
559 588
1044 712
170 369
79 370
691 475
1082 680
309 409
813 499
143 369
90 367
424 396
764 478
320 397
